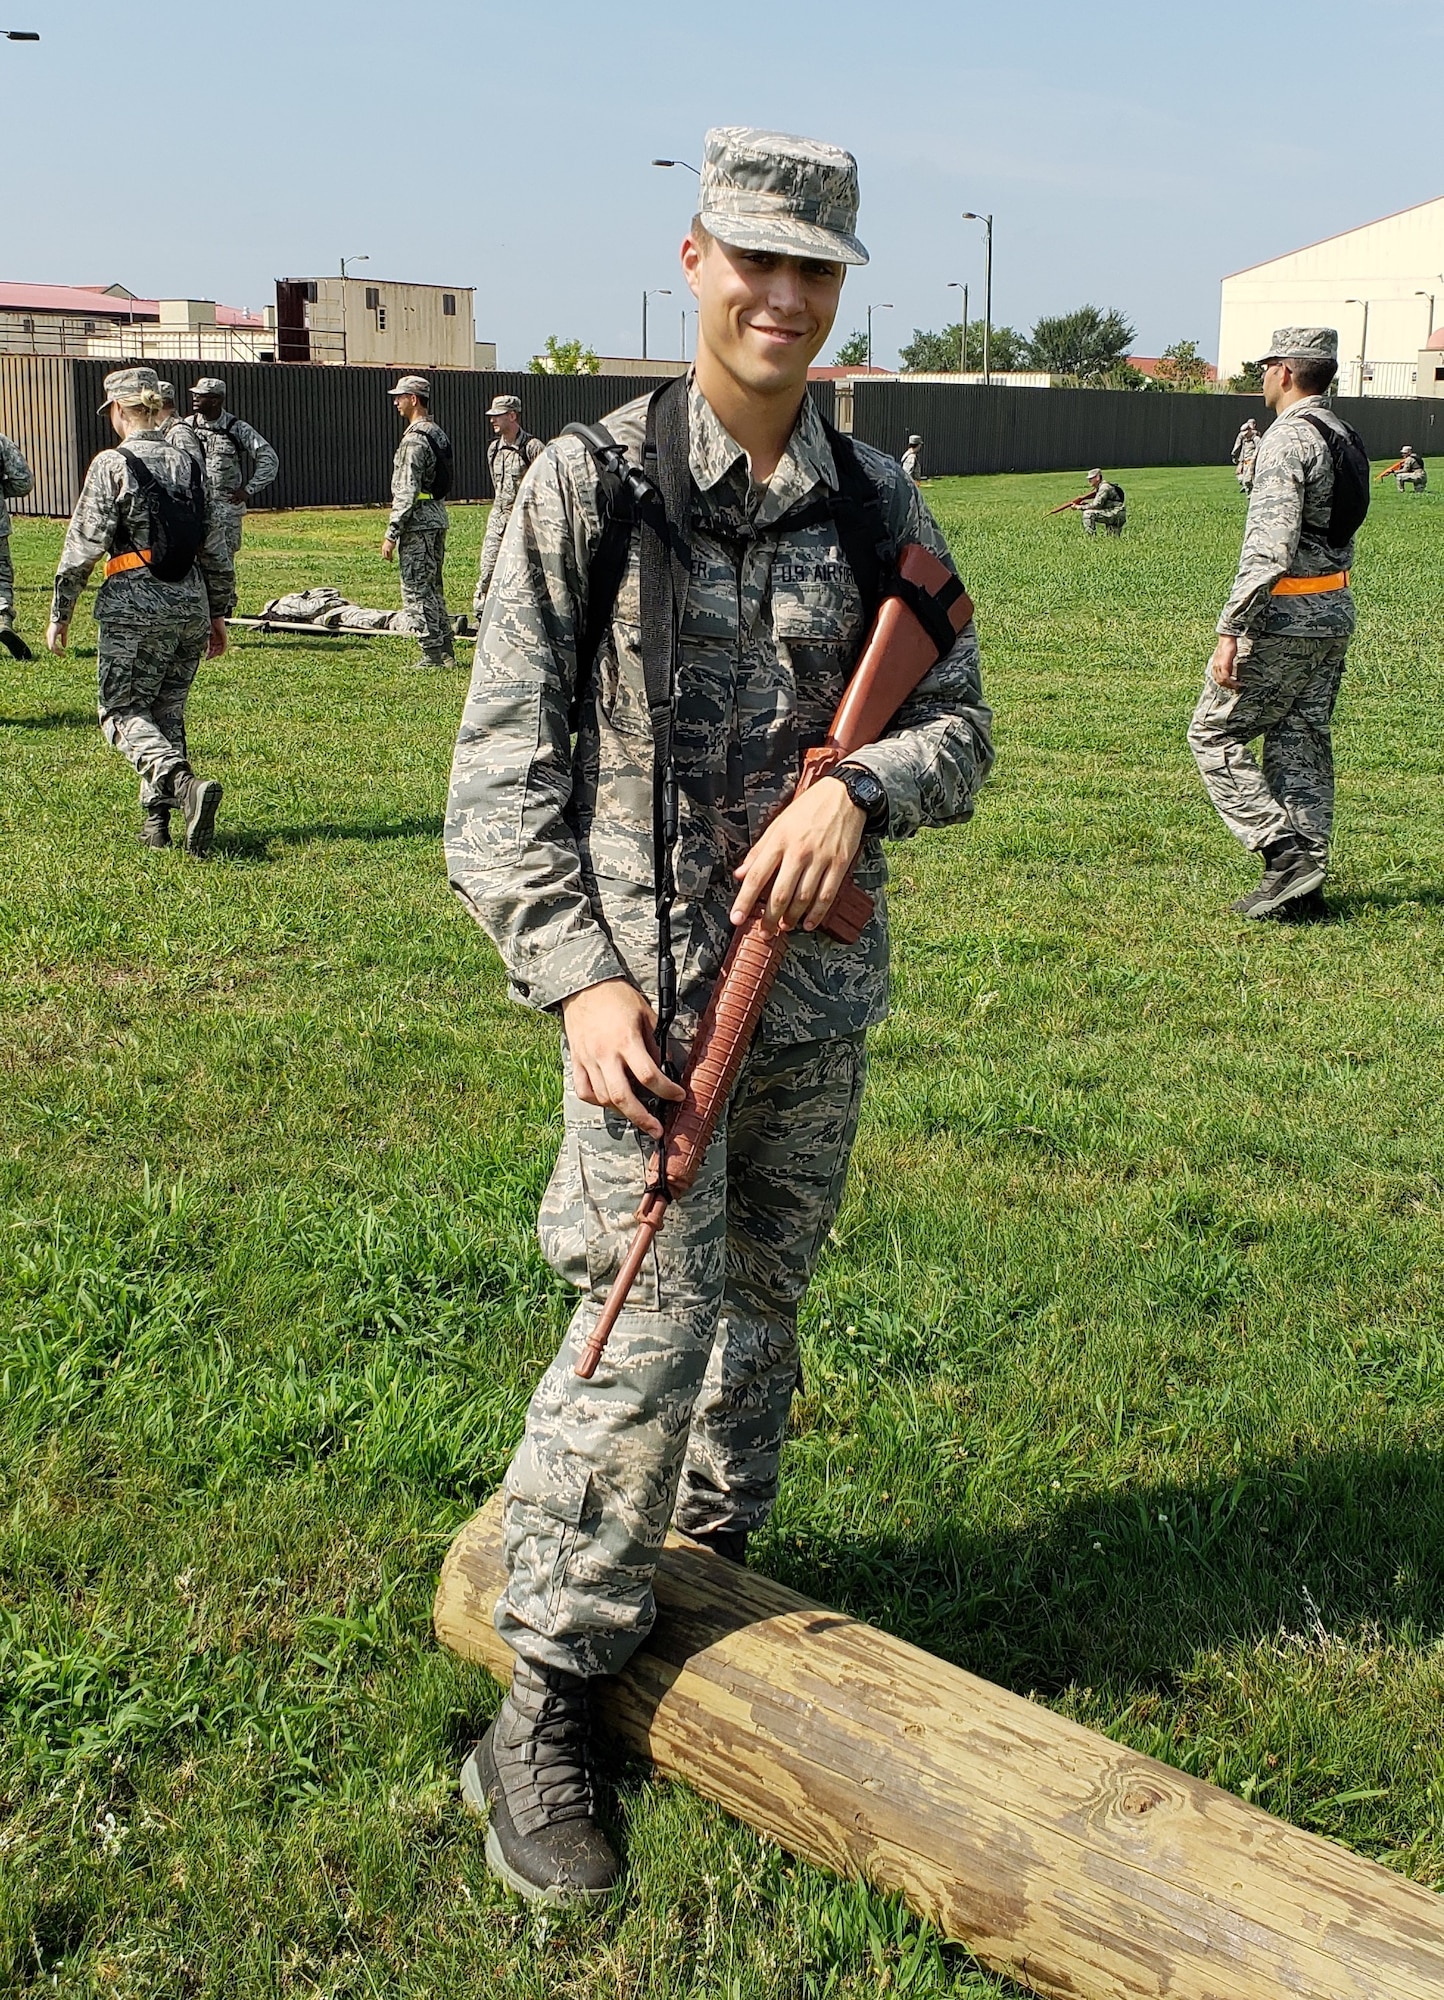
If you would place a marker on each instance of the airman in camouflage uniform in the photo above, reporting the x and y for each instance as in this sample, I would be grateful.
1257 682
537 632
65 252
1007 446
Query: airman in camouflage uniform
1410 476
416 532
239 462
1245 452
549 843
1105 509
173 427
1283 637
16 480
153 632
912 459
509 455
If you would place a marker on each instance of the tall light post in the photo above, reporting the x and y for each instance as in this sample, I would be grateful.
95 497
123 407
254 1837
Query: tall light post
1363 338
955 285
882 307
657 292
1430 297
987 222
679 163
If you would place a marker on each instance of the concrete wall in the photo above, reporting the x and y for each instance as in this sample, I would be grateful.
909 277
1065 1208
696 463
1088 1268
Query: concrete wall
1385 262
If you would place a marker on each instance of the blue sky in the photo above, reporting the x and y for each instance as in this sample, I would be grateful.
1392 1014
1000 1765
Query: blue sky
1132 154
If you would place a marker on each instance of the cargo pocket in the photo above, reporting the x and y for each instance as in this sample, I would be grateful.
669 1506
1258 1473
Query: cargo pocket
546 1496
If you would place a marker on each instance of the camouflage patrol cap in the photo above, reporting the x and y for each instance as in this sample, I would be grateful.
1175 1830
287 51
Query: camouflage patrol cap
914 438
128 385
1303 343
209 385
770 191
501 406
411 385
167 392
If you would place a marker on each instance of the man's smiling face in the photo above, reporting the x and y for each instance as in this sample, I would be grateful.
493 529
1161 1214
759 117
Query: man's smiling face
763 317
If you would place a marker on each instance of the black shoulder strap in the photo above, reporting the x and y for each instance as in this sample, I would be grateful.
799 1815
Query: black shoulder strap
869 548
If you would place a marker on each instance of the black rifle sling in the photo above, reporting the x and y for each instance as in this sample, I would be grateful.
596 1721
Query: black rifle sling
666 572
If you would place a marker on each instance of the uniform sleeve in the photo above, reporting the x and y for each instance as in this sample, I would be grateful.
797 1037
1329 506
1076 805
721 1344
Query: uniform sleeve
935 757
1271 537
91 533
16 473
511 855
534 450
267 465
406 484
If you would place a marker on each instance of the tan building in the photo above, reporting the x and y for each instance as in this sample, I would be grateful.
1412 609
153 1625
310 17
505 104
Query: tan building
370 321
1381 285
1431 366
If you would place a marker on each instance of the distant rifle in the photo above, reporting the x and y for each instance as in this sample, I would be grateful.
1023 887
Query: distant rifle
913 630
1081 501
1397 466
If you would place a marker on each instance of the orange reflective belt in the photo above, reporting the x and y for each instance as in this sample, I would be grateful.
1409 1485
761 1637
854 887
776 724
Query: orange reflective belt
137 559
1308 586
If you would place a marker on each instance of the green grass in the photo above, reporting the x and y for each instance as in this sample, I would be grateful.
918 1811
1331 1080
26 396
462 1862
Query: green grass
1125 1372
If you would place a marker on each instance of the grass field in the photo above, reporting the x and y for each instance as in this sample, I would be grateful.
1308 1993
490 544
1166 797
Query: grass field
1125 1372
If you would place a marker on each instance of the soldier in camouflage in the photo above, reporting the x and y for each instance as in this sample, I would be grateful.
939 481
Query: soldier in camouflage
1245 452
153 632
239 463
1105 507
1410 475
173 427
416 532
509 455
549 843
912 459
16 480
1283 637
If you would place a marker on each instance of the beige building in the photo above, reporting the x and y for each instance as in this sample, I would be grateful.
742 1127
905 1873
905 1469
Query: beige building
370 321
1381 285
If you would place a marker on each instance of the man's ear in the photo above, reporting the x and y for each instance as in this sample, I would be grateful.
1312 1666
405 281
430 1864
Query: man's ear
692 255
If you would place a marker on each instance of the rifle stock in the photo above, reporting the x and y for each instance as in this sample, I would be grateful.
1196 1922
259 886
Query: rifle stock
897 655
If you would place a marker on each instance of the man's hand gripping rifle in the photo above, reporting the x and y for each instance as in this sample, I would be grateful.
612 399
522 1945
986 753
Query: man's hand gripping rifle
913 630
1081 501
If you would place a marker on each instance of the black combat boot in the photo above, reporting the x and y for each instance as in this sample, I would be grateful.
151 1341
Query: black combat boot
155 827
529 1774
197 800
1290 872
729 1543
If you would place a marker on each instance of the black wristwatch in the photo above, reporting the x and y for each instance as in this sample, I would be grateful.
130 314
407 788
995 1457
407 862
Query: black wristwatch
867 792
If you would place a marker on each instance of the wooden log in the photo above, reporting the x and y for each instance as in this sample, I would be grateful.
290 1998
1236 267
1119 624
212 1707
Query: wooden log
1073 1865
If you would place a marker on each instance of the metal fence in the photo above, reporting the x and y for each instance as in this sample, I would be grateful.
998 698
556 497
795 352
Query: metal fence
1055 430
335 428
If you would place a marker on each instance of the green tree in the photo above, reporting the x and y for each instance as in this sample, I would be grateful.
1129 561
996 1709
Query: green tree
565 357
1083 346
937 353
1182 367
853 351
1248 381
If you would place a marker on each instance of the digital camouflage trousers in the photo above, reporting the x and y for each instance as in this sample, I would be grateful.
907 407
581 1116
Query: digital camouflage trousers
144 673
1288 688
686 1414
496 522
421 558
7 580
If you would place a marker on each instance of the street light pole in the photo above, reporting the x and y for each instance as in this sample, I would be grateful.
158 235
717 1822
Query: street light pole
345 329
1363 338
657 292
883 306
987 222
955 286
19 34
679 163
1430 297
